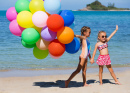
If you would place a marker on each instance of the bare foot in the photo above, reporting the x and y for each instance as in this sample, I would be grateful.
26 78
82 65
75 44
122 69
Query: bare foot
101 84
66 84
118 83
86 85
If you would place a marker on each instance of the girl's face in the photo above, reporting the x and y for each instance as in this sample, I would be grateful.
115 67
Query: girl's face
87 33
102 37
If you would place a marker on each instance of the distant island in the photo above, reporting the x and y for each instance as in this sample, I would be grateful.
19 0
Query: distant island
97 6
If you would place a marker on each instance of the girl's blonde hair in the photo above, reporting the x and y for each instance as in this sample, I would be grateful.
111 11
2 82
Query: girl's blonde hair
83 29
99 35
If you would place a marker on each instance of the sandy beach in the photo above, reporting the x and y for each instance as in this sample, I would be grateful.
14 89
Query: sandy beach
55 83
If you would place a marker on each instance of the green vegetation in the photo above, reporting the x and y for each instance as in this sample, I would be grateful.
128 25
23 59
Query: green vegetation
98 6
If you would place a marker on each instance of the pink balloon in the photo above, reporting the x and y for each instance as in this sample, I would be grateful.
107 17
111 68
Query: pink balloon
54 57
11 14
15 28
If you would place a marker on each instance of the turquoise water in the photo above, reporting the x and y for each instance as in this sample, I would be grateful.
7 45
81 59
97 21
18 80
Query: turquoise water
14 56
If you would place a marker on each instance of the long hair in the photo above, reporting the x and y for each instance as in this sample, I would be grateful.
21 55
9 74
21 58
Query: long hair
83 29
99 35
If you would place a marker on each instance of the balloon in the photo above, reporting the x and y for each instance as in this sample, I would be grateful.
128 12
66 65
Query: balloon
47 34
22 5
15 28
24 19
36 5
56 48
40 54
48 14
39 18
38 29
52 6
11 14
66 36
55 23
27 45
54 57
68 17
30 36
42 44
73 47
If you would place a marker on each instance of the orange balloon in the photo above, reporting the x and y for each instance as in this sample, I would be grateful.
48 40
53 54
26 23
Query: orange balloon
48 14
55 23
66 36
56 48
42 44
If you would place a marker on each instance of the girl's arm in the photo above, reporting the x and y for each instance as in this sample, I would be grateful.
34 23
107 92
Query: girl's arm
94 52
89 56
81 37
112 33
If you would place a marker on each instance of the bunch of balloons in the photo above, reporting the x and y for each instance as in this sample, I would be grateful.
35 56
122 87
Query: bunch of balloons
44 27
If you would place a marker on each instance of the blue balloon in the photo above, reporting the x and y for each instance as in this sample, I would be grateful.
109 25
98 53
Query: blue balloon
68 17
73 47
52 6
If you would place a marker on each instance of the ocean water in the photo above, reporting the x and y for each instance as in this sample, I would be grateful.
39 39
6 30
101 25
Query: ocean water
13 56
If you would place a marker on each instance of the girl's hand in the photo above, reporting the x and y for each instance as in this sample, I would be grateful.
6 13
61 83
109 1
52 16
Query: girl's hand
116 27
92 61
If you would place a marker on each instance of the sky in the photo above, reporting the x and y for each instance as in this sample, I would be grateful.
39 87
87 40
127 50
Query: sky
72 4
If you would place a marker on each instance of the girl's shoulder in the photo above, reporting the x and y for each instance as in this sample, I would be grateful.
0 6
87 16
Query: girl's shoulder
84 37
98 44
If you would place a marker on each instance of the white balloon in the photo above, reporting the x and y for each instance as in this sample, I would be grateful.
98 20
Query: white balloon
42 44
39 19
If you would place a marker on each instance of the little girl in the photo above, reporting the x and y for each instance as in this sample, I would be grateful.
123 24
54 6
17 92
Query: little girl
104 58
85 32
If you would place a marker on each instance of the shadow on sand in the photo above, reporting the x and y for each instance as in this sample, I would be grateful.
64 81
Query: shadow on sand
61 83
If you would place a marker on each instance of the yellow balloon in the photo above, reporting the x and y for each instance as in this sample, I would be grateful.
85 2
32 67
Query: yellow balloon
36 5
38 29
24 19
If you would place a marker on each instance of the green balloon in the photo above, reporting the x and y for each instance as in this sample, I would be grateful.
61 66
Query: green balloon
40 54
30 36
27 45
22 5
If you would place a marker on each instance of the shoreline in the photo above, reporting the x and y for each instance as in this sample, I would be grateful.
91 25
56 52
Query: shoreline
66 68
56 71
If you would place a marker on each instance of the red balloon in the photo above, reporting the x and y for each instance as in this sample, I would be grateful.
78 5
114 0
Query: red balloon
55 23
56 48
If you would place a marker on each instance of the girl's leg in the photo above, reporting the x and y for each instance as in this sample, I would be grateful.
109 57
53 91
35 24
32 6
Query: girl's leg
113 74
84 73
81 62
100 74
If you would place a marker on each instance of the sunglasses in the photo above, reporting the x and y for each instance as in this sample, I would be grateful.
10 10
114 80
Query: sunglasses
104 36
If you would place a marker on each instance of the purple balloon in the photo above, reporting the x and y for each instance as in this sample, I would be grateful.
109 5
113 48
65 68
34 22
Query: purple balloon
47 34
11 14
